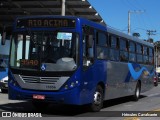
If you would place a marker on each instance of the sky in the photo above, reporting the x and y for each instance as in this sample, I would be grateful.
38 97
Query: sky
115 15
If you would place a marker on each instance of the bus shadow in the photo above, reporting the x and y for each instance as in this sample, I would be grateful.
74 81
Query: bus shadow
117 101
51 111
60 110
17 107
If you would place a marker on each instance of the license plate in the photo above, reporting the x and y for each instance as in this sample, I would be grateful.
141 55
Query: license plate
39 97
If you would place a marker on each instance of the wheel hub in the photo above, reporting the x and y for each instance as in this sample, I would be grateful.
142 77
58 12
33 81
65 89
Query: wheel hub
137 93
97 98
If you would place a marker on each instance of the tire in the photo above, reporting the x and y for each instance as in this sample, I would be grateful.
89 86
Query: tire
136 95
98 100
156 84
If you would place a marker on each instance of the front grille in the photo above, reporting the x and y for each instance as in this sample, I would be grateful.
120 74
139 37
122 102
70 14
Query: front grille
36 79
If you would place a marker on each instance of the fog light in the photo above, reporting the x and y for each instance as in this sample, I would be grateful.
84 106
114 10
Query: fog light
72 84
66 87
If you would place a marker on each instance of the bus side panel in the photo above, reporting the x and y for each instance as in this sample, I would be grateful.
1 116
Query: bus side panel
122 80
147 82
117 74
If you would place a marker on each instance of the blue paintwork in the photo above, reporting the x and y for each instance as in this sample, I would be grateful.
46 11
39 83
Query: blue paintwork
136 74
81 94
70 96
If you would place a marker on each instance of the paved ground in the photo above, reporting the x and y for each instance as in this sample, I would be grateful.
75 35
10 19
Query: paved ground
112 110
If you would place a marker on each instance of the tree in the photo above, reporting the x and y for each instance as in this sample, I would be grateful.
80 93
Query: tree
150 40
136 34
157 44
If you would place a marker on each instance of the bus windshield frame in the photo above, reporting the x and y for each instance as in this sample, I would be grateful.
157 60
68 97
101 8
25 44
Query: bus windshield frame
45 50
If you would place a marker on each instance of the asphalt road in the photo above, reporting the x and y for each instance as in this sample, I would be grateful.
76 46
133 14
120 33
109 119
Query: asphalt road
117 109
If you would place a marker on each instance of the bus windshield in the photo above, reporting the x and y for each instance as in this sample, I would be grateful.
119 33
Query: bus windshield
45 51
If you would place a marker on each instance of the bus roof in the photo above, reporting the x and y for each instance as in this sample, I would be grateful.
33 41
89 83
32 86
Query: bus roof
93 24
129 37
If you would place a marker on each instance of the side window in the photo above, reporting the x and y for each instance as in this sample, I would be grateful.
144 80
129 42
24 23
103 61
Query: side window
123 50
151 56
132 55
102 39
139 49
132 47
88 46
102 43
113 42
139 52
114 45
145 54
123 45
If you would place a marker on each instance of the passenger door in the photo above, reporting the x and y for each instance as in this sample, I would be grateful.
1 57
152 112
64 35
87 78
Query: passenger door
88 63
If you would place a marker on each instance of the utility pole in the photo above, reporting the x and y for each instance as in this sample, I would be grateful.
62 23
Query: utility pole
151 32
129 22
63 7
129 17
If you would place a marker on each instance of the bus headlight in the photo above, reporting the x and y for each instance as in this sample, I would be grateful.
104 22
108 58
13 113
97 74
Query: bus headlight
66 87
71 85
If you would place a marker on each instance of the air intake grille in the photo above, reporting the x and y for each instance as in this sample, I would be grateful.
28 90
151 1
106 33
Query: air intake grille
43 80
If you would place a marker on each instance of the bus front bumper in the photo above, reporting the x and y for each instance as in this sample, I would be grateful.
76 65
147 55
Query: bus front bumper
66 97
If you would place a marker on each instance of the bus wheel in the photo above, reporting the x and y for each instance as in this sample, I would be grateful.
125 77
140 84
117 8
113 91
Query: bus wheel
137 92
98 100
40 106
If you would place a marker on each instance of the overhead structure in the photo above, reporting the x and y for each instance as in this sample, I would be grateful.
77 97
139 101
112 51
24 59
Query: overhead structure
10 9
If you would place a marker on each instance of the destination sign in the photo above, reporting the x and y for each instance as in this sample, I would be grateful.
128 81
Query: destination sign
45 22
29 63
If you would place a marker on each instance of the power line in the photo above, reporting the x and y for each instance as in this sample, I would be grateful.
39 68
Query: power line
151 32
137 5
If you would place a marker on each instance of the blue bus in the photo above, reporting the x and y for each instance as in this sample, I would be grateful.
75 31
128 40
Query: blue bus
4 55
71 60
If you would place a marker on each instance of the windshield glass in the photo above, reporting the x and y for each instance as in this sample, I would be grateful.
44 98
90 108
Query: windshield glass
45 51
